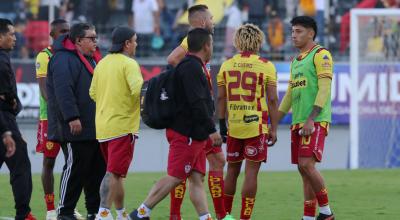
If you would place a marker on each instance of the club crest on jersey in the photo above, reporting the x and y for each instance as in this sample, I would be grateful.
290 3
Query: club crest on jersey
49 145
326 57
37 65
188 168
251 151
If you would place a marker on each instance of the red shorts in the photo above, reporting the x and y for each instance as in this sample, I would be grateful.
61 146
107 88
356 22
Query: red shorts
308 146
49 149
254 149
118 154
210 149
185 155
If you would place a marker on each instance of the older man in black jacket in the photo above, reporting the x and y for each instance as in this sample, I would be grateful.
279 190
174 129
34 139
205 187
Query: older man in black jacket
18 164
71 118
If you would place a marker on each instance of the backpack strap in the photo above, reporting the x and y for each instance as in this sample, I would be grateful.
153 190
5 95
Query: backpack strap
48 52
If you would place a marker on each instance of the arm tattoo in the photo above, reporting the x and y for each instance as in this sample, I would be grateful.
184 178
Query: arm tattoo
315 112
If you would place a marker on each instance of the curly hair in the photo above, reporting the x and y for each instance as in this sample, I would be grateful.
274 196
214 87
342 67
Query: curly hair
248 37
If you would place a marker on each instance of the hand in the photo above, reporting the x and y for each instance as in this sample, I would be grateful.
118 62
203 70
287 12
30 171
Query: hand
157 30
216 139
223 130
272 138
308 128
15 104
9 143
75 127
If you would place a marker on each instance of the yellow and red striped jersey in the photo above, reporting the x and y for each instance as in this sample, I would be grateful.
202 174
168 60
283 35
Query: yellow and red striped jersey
245 77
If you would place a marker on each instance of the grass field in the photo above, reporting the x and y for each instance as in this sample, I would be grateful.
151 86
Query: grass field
361 195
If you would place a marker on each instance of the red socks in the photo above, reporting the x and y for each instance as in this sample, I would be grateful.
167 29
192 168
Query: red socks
322 197
177 195
216 186
310 206
49 199
228 201
247 207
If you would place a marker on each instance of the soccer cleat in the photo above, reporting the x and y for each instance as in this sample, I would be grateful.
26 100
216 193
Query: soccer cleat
78 215
134 216
104 215
91 216
66 217
51 215
228 217
322 216
30 217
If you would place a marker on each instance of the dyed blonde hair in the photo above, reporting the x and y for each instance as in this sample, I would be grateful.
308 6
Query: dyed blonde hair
248 37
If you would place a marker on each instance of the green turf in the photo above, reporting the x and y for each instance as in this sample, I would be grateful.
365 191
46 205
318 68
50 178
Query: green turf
361 195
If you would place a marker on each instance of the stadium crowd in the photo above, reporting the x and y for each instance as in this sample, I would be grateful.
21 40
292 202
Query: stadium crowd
161 18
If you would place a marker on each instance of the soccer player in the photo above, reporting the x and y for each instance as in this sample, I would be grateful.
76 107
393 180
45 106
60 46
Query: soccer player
190 129
115 88
48 148
309 97
200 17
247 93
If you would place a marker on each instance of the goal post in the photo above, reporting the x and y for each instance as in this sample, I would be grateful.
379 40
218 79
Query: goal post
375 90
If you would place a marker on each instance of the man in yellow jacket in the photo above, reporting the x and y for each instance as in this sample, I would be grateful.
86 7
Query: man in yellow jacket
115 88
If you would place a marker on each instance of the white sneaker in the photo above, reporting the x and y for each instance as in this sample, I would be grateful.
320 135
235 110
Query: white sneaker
104 216
78 215
123 217
51 215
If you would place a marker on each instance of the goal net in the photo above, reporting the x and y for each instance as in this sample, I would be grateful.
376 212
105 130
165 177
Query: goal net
375 94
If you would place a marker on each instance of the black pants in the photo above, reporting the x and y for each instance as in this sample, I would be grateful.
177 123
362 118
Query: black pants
20 169
84 169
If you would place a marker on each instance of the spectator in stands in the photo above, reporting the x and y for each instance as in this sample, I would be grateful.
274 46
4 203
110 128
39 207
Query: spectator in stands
258 9
276 36
307 7
320 19
345 24
44 8
234 21
167 19
146 23
375 43
20 49
7 9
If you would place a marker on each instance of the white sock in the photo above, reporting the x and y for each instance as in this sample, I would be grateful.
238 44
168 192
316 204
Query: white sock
325 210
103 212
308 218
143 211
205 217
120 212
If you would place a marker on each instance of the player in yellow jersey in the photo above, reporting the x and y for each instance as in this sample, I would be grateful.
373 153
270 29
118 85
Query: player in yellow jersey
309 97
200 17
247 94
